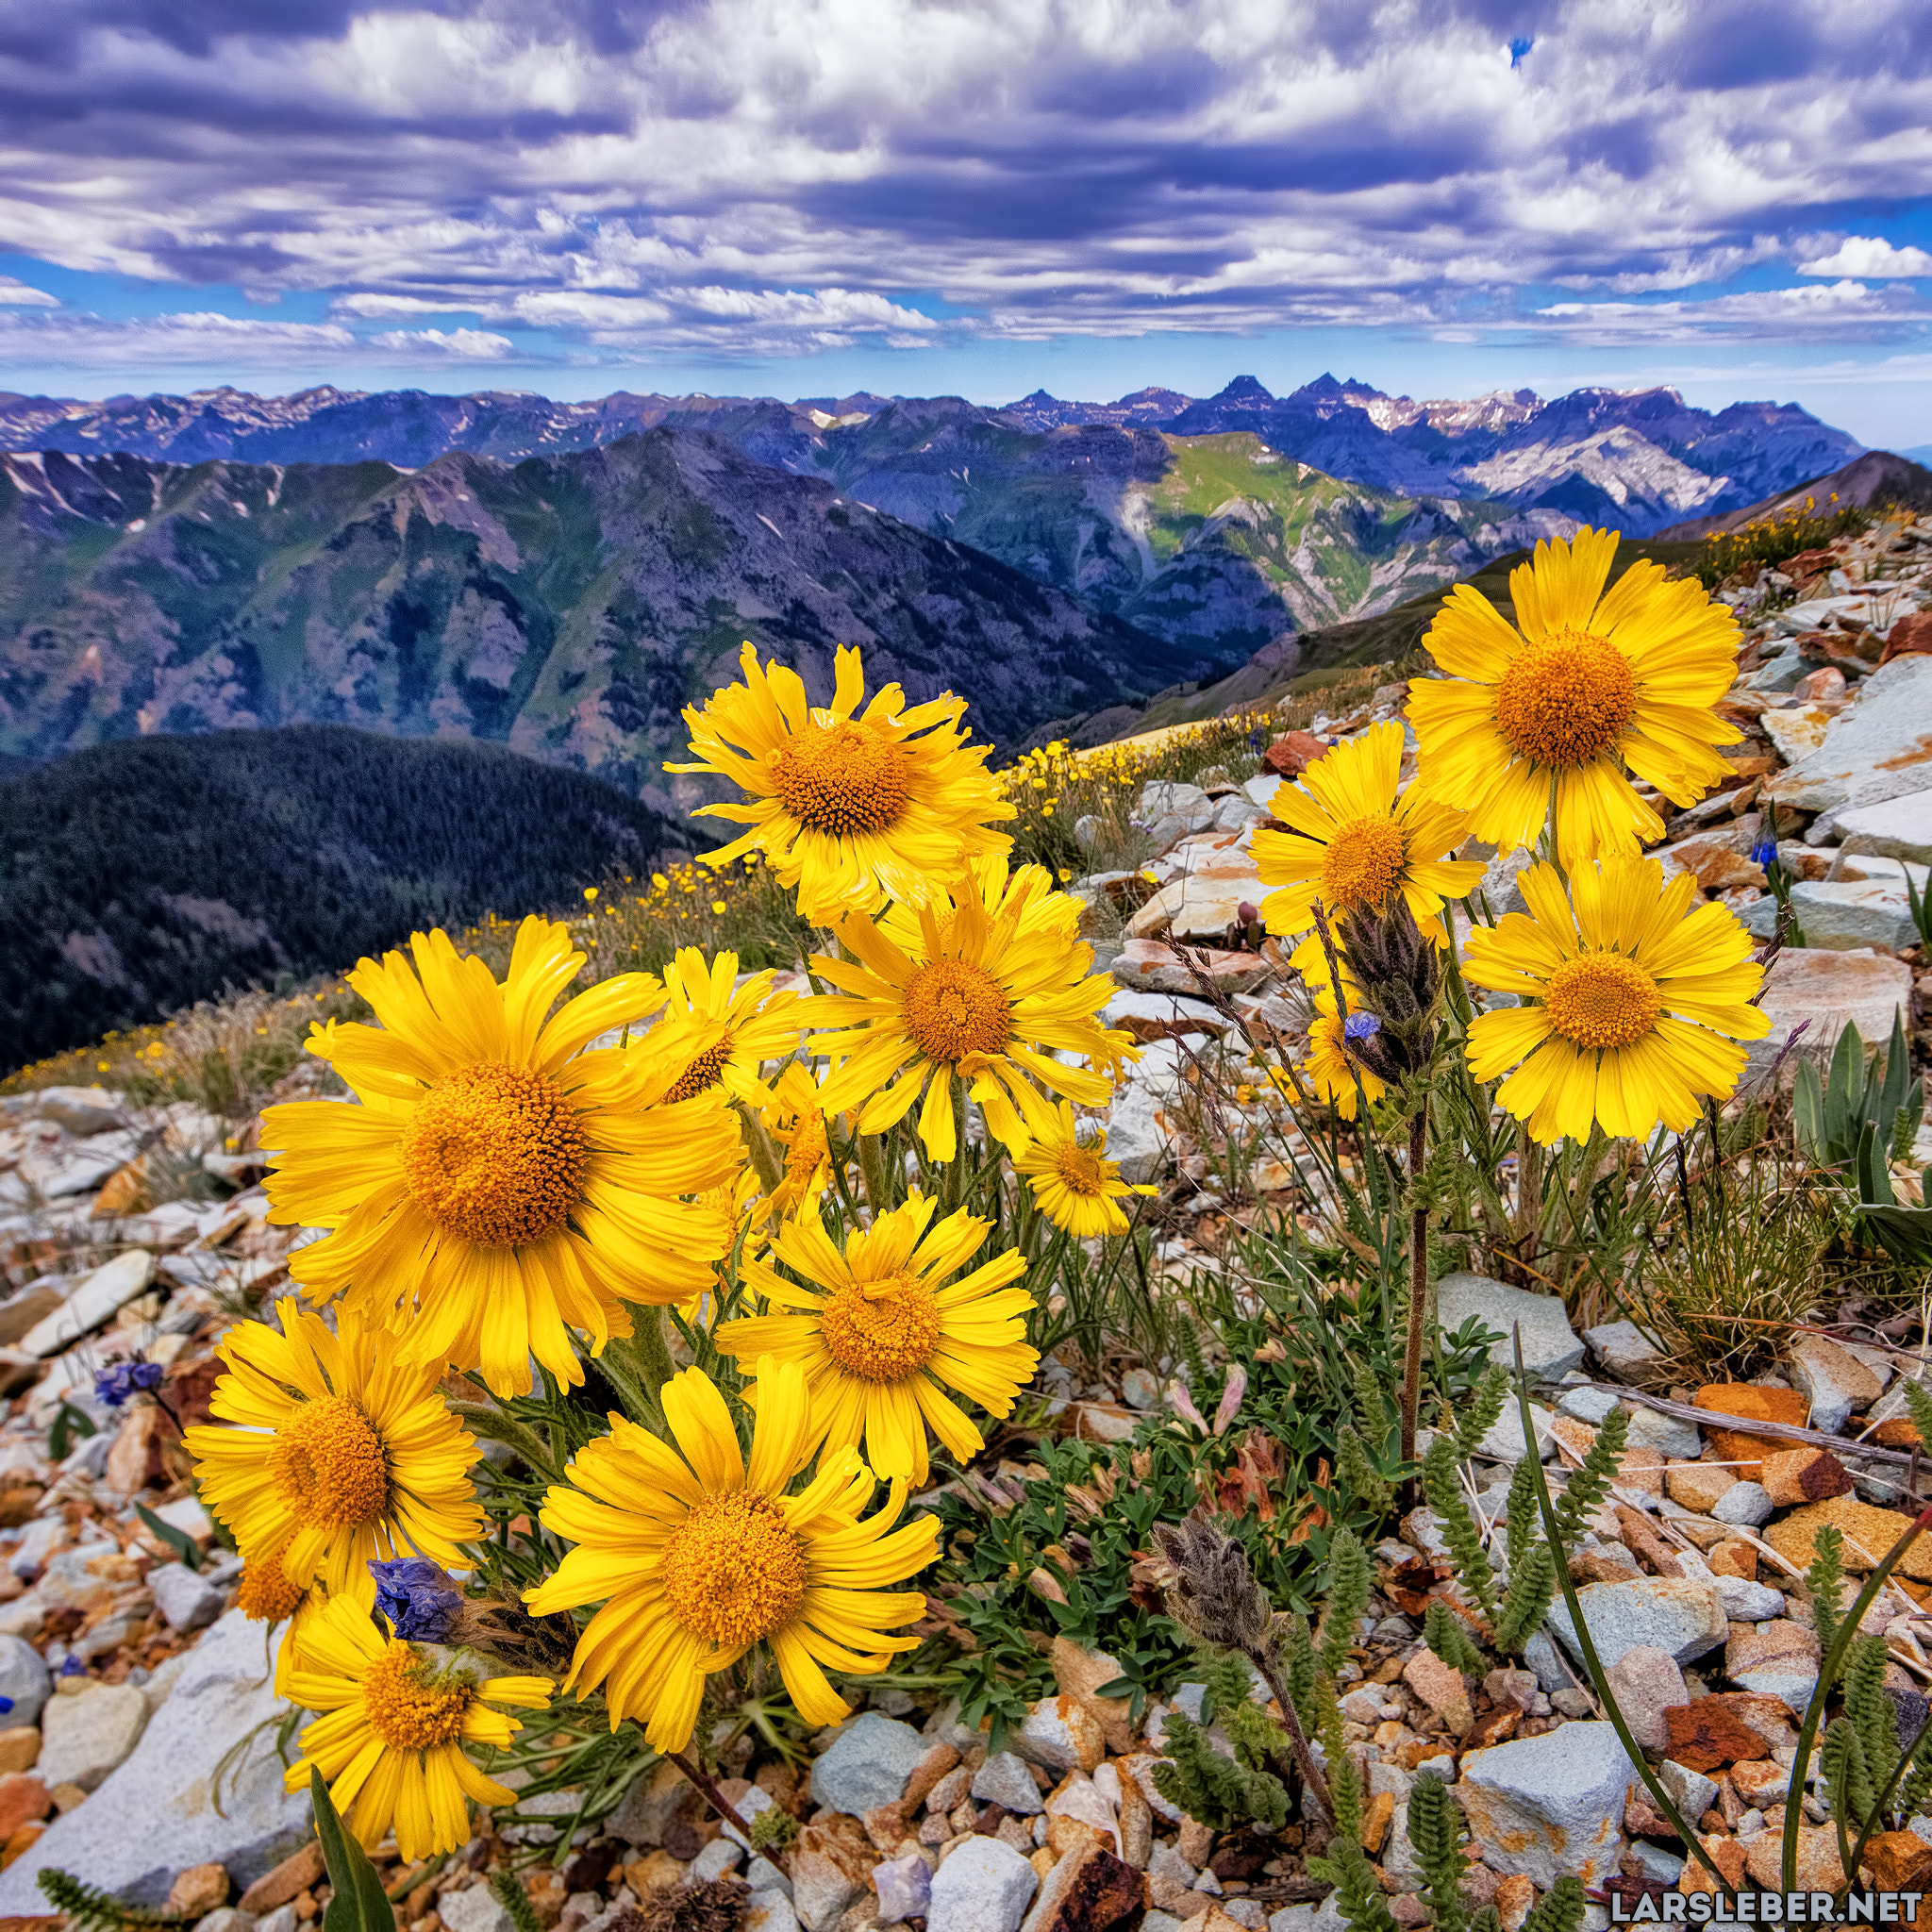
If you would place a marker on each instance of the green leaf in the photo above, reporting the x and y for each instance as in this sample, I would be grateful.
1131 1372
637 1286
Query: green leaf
359 1904
67 1422
178 1541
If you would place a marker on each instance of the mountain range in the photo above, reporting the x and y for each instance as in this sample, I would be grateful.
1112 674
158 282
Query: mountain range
1637 459
563 576
567 606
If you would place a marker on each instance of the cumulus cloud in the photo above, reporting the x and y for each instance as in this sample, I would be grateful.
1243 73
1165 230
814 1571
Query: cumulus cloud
15 294
753 175
1869 255
459 344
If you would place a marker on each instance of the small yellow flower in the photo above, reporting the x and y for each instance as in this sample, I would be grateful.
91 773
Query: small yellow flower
698 1556
1075 1184
396 1719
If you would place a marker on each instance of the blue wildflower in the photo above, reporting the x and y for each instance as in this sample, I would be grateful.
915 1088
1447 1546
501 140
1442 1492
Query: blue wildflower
1361 1026
419 1599
116 1384
71 1666
1764 852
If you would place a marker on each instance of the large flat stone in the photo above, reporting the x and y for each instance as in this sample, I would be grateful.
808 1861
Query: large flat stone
1841 915
1550 1349
156 1815
1824 992
1897 829
868 1765
93 1299
1879 748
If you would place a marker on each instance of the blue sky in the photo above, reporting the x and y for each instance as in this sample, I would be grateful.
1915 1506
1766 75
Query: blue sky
807 197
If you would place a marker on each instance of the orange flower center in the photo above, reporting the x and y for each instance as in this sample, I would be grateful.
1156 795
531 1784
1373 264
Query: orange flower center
1602 1000
883 1335
329 1466
496 1156
1364 864
265 1594
705 1071
734 1569
954 1009
842 779
1566 699
409 1706
1080 1169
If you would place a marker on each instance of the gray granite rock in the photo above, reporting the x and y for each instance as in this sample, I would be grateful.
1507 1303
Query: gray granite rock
24 1682
1674 1614
186 1600
155 1816
1549 1346
473 1909
1746 1505
1004 1780
986 1886
869 1764
1544 1806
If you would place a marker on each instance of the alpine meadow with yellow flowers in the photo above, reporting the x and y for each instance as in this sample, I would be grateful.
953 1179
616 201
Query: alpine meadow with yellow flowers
699 1300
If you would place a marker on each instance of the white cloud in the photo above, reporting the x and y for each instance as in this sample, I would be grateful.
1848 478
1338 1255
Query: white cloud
762 176
15 294
1870 256
461 345
1845 309
202 339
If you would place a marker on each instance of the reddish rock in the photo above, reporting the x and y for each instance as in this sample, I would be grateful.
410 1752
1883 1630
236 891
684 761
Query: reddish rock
1898 1860
1706 1735
1909 637
1819 1868
199 1891
1804 1475
1749 1402
1088 1891
295 1873
24 1800
1291 755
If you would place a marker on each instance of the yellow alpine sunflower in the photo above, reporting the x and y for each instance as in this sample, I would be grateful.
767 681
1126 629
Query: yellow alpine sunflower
711 1036
696 1556
1075 1184
500 1185
797 1123
1327 1065
850 808
977 997
1354 841
343 1452
1628 997
265 1595
1584 686
880 1339
396 1717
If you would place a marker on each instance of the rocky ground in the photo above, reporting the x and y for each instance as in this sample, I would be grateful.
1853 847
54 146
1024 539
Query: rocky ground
138 1747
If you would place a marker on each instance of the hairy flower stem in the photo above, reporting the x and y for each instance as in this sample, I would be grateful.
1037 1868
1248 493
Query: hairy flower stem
640 1365
711 1794
872 1165
1418 1283
758 1144
1267 1660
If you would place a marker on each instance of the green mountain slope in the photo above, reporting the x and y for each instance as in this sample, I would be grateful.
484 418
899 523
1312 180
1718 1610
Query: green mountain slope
141 877
1214 542
1391 636
567 606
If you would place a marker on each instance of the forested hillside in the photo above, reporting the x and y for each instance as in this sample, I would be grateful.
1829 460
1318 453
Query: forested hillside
138 877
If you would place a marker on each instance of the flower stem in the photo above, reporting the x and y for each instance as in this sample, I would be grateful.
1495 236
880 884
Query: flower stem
1418 1281
640 1365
